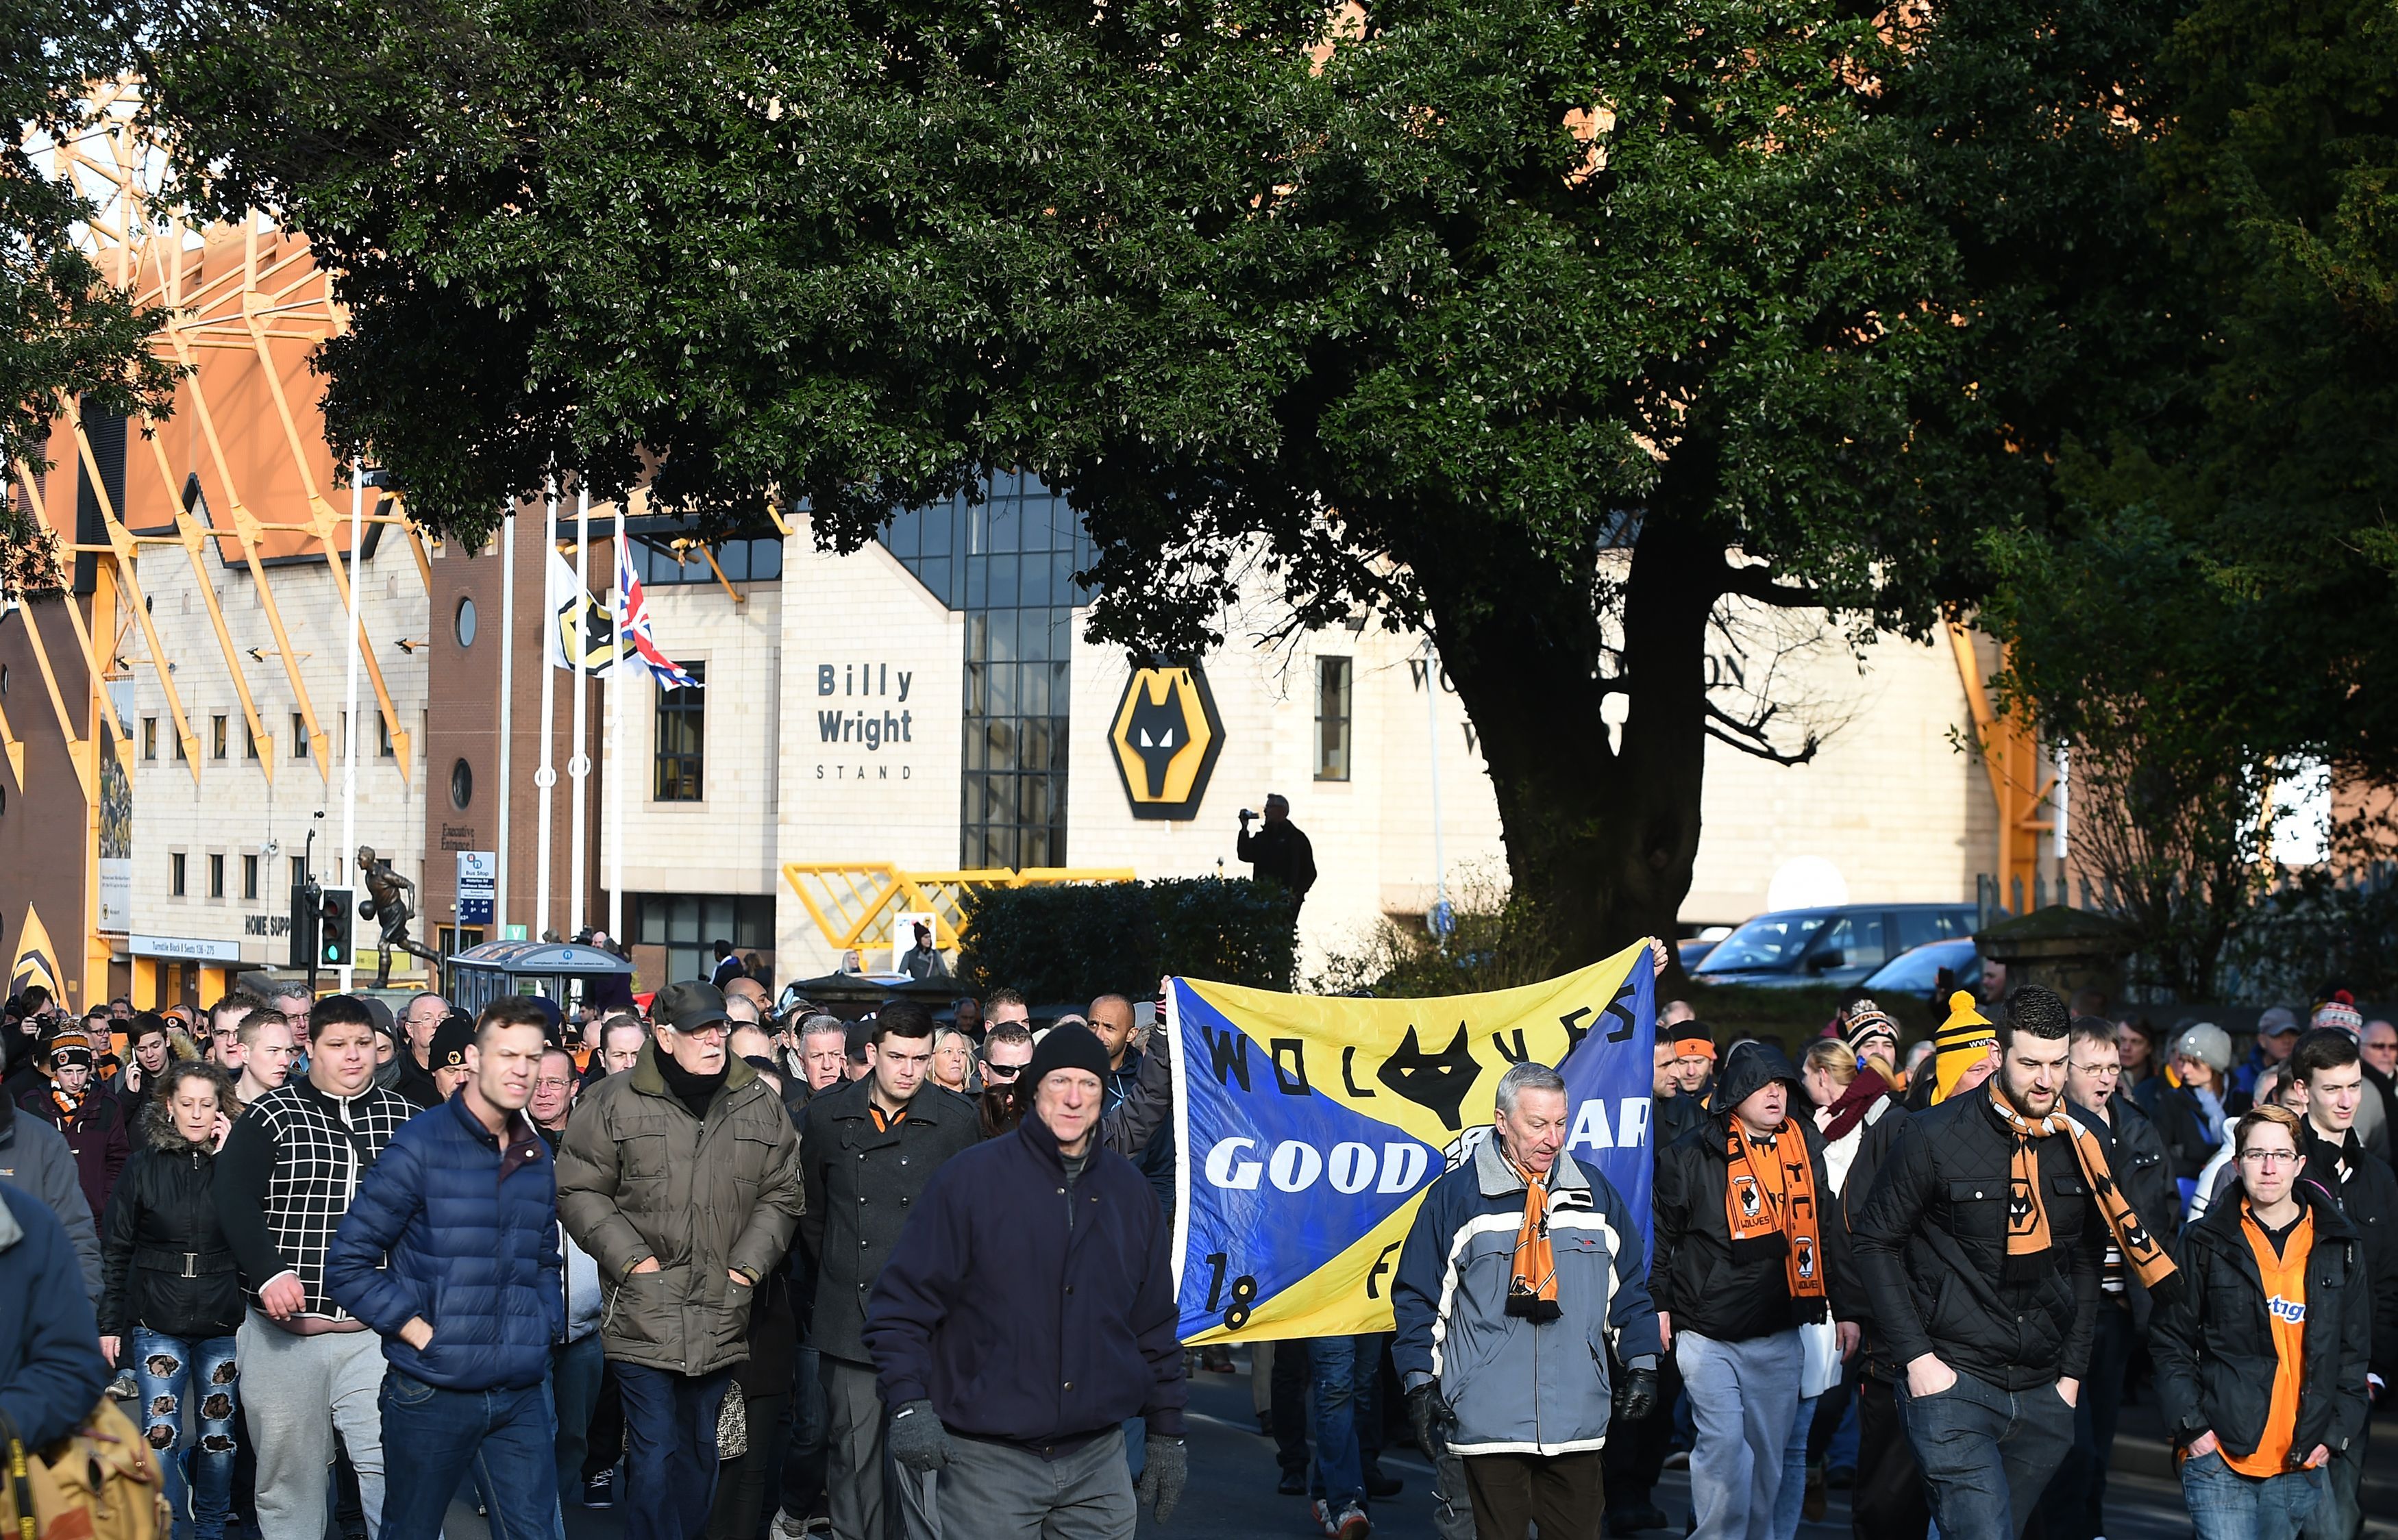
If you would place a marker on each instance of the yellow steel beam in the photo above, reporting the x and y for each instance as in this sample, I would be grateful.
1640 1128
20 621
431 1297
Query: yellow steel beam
42 653
326 521
9 742
246 529
118 537
718 571
188 529
2011 758
856 903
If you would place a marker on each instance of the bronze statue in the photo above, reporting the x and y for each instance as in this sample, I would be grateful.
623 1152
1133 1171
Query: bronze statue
388 901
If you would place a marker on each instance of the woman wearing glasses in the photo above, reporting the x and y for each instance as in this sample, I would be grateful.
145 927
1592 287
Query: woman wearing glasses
2261 1358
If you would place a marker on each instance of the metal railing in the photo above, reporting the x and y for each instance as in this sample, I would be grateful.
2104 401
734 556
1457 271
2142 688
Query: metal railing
856 903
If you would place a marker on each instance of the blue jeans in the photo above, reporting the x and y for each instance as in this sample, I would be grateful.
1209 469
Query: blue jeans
2225 1505
167 1369
574 1370
1987 1454
1340 1387
503 1439
1792 1494
670 1450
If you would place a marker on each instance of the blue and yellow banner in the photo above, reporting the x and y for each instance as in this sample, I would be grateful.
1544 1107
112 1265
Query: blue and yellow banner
1310 1127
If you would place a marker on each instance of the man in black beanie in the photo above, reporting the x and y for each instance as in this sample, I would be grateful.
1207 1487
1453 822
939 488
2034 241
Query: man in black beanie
987 1384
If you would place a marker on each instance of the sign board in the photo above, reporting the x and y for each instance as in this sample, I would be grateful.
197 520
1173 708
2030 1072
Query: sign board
116 894
478 874
184 948
1164 738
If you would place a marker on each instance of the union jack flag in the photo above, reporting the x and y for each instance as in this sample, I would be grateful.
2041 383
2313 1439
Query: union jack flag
633 607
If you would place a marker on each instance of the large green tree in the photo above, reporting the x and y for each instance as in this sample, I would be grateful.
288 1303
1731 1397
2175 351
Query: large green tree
68 331
1551 327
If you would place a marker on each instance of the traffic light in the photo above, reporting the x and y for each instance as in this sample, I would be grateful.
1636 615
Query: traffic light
304 925
333 941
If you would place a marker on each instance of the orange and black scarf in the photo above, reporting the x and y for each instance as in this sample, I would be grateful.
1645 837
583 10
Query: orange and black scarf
1770 1195
1532 1280
2027 1213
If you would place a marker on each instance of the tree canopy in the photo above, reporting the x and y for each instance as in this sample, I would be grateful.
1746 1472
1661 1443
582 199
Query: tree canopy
69 331
1554 329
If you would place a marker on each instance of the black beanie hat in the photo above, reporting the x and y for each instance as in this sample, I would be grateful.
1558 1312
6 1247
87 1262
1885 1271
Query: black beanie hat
451 1042
1072 1046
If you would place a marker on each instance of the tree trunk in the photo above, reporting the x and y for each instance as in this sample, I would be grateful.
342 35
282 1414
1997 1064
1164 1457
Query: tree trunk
1601 838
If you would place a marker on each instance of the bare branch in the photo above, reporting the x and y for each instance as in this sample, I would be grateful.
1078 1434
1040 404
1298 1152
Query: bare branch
1761 750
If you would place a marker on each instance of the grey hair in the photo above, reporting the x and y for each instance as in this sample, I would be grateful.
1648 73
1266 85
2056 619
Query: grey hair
822 1024
1524 1076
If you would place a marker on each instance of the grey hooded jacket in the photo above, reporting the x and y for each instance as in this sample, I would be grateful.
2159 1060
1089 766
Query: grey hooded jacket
1518 1387
34 1158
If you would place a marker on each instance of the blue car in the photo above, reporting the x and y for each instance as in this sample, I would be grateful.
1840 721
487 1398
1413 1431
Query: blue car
1842 946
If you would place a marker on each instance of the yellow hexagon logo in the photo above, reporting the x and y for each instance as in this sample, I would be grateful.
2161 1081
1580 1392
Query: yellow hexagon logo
1167 736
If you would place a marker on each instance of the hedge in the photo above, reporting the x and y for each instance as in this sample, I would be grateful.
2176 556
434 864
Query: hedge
1068 942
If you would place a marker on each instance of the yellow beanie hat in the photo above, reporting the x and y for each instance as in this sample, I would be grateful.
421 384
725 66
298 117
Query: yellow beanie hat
1963 1041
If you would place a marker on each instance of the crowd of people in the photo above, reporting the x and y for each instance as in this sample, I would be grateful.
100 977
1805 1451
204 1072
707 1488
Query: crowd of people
751 1272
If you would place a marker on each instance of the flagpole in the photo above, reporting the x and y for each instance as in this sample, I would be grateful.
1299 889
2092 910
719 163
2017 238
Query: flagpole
615 784
350 718
546 776
578 765
507 709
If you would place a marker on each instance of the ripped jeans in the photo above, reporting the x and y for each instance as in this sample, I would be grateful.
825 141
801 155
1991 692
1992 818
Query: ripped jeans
194 1444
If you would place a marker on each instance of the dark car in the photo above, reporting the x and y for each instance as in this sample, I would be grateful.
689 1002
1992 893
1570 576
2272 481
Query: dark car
1914 974
1839 946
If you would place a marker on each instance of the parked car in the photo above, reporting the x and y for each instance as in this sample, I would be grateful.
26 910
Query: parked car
1914 974
1839 946
1693 950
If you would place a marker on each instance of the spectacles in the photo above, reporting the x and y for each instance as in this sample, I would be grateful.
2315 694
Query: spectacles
710 1029
1001 1072
546 1084
2270 1157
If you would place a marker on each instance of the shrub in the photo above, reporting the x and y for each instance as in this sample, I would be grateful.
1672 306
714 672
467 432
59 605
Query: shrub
1070 942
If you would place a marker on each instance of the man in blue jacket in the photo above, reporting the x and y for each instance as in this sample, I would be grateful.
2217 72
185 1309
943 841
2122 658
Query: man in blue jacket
450 1251
1523 1275
51 1370
1027 1311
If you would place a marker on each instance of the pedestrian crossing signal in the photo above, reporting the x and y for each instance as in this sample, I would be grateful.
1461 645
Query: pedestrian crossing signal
333 934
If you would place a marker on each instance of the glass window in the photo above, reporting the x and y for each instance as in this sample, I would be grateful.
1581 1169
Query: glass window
216 876
248 740
216 738
176 869
299 736
250 876
179 757
1919 925
383 738
149 738
681 740
1332 718
1767 942
1862 941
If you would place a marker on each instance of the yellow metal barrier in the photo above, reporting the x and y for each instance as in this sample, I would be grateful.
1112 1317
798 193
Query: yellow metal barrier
856 903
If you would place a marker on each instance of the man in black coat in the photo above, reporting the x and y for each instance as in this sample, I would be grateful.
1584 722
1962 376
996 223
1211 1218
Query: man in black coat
2074 1505
1278 851
2327 1066
1979 1247
866 1151
1731 1303
1028 1311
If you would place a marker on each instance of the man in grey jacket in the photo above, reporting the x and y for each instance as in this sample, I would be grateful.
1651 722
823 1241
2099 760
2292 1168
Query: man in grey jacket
681 1178
35 1160
1523 1277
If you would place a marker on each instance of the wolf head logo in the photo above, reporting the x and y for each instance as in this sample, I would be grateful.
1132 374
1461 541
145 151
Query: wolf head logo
1157 732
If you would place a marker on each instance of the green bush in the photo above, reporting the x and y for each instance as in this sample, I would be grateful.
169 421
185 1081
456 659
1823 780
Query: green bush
1067 944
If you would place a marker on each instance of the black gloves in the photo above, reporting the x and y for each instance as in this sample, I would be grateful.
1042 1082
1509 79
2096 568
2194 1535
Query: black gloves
1637 1397
1165 1467
916 1438
1431 1418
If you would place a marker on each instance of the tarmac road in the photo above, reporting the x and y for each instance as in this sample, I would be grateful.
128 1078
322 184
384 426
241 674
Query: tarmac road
1231 1490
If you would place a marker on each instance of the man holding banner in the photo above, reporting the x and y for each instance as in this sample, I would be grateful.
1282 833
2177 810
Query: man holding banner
1523 1274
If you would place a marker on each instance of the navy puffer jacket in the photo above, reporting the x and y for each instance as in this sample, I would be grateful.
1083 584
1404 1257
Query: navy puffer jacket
450 1226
